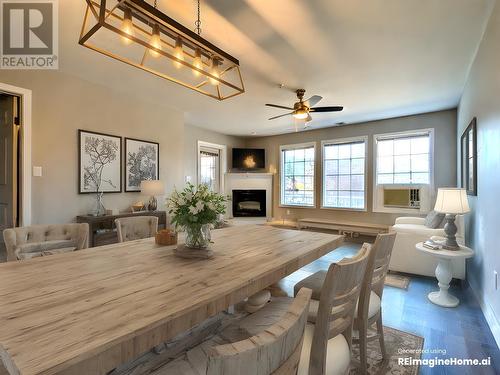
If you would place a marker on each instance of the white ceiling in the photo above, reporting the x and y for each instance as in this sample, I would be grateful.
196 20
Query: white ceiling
377 58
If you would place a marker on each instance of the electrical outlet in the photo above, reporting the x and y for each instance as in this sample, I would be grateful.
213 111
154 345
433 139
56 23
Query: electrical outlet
495 273
288 212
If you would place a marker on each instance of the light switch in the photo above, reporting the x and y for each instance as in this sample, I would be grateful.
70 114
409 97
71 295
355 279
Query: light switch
37 171
187 179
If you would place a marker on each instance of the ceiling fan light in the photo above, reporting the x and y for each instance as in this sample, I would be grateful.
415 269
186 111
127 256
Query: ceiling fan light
300 114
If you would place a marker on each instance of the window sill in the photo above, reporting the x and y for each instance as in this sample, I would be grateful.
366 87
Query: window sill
344 209
292 206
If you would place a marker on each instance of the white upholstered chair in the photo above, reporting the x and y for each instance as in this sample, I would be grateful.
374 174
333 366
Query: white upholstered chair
41 240
135 228
406 258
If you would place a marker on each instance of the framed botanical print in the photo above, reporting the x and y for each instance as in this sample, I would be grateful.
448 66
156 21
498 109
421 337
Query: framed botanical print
468 144
99 162
141 163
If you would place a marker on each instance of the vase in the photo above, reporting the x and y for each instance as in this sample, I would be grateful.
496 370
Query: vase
99 209
198 236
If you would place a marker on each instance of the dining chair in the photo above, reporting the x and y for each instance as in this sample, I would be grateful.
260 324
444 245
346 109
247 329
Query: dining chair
369 309
275 349
135 228
41 240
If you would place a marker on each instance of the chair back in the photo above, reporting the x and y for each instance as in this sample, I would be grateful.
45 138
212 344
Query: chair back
337 306
274 351
53 236
136 228
376 271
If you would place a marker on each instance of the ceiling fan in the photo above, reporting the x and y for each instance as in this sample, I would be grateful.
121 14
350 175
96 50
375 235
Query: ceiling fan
301 110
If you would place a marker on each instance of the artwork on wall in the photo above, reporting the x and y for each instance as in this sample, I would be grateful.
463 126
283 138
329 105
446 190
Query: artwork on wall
469 158
141 162
99 164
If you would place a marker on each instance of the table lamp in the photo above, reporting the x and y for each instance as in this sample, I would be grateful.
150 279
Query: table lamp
452 202
153 188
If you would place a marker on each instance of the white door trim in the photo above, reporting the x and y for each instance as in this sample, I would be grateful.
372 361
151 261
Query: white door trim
26 103
222 159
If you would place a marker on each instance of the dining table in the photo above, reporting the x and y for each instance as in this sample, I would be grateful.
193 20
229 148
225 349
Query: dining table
89 311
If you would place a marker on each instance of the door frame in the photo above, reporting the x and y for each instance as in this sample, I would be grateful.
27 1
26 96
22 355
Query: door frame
26 103
222 162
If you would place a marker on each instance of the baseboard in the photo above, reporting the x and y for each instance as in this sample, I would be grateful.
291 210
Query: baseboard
489 315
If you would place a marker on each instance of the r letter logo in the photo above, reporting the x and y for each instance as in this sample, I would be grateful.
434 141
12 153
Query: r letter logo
29 34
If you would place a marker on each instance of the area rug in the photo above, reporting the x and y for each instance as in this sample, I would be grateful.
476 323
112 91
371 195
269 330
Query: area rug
398 344
397 281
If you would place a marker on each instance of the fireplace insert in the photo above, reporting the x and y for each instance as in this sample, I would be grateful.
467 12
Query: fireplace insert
249 203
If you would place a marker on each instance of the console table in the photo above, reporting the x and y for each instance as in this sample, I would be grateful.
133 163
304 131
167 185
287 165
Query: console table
102 229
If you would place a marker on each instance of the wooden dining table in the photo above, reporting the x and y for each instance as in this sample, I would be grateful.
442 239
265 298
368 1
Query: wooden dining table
89 311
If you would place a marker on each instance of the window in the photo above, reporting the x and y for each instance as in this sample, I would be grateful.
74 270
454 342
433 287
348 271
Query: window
209 168
344 174
404 158
297 175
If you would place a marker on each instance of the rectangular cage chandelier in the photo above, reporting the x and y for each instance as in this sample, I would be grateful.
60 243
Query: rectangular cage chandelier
138 34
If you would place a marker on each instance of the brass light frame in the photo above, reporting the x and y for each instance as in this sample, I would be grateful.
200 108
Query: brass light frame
99 15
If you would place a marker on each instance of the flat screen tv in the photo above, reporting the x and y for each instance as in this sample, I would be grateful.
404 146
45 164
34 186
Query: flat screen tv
249 158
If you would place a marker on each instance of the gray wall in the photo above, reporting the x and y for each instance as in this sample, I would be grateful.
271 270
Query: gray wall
443 122
62 104
481 99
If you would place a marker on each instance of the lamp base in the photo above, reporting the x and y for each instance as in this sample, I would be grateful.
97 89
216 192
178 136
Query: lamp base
152 204
450 229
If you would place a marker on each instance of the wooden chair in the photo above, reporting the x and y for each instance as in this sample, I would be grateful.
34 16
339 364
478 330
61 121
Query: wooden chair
369 309
276 349
327 343
135 228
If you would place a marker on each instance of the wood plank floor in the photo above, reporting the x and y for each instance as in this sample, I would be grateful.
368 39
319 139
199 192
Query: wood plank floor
462 331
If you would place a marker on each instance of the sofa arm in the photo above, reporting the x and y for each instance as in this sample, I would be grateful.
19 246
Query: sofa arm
410 220
83 236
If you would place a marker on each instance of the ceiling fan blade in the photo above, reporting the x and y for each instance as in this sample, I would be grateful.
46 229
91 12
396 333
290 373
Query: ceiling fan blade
275 117
279 106
327 109
313 100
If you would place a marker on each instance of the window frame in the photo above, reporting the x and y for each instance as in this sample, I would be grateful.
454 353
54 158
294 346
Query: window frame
281 173
338 141
428 190
222 162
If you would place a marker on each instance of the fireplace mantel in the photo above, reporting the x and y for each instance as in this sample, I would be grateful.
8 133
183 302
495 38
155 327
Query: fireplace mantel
250 181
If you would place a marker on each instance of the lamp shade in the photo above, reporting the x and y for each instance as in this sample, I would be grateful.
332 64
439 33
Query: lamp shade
152 187
452 201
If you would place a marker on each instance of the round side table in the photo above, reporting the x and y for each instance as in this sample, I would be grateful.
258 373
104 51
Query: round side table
444 273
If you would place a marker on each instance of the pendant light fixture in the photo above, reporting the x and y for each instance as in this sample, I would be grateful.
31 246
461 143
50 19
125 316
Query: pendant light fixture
139 34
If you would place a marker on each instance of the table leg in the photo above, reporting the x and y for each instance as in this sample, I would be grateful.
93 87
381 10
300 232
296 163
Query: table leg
444 276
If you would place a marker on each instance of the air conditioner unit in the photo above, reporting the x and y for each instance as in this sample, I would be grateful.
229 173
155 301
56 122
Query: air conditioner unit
402 197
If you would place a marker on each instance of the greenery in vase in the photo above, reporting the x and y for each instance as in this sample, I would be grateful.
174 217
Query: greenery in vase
194 207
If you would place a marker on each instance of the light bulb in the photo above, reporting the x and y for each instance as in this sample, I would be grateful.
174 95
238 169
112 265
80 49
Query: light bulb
178 52
127 26
155 41
197 62
214 71
300 114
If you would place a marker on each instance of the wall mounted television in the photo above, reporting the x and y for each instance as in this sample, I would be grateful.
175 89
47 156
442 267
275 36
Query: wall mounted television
249 158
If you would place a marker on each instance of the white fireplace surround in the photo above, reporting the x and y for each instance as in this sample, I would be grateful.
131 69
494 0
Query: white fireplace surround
250 181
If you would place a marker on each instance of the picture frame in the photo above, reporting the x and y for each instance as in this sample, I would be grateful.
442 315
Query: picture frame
142 162
468 144
99 162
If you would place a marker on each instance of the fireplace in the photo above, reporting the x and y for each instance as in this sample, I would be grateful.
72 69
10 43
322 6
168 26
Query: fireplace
249 203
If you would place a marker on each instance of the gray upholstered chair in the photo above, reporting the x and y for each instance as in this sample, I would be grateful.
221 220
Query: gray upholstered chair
40 240
135 228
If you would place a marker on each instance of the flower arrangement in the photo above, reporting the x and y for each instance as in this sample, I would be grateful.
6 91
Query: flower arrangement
196 209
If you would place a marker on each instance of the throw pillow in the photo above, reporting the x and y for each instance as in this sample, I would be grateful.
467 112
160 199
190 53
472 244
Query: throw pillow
434 219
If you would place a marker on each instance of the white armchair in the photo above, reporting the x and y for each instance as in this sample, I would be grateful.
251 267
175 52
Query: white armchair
412 230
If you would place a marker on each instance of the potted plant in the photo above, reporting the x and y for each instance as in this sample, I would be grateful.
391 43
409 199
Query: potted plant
195 210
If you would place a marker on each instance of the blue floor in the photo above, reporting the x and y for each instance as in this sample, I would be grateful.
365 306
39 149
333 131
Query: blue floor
461 332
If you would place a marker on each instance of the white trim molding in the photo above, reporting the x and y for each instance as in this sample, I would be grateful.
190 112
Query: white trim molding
364 139
489 314
428 189
26 110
